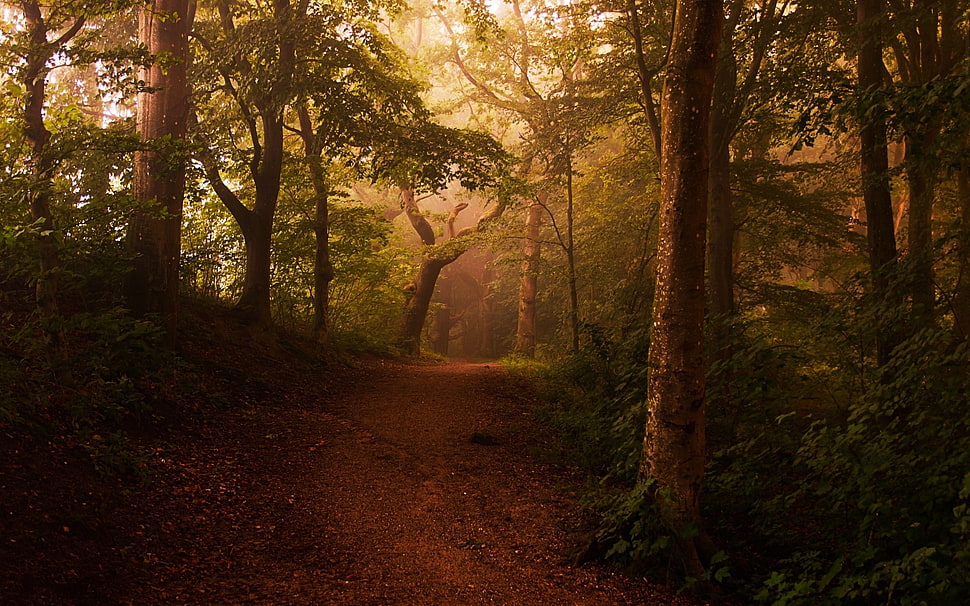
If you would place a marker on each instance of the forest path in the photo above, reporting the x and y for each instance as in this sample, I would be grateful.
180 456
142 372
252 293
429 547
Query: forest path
386 494
389 484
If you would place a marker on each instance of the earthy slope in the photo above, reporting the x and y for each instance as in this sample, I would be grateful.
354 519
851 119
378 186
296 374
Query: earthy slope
388 484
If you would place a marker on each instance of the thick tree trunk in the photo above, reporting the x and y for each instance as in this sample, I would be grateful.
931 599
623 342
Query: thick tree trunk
874 154
265 167
525 332
674 446
422 289
158 180
254 300
416 310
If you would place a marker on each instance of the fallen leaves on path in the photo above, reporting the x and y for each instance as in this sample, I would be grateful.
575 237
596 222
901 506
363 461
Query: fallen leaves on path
387 484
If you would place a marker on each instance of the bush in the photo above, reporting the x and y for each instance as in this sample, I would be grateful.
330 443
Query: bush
88 378
891 483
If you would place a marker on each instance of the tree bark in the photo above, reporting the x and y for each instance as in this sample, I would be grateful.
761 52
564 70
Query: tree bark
571 261
674 446
416 310
874 167
929 47
158 179
920 179
525 332
645 75
322 268
961 299
486 346
720 256
442 322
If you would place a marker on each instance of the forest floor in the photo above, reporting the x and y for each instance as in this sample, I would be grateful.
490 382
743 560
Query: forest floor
372 483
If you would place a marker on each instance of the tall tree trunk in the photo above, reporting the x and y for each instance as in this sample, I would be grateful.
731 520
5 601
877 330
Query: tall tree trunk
158 180
720 256
416 309
441 324
486 346
674 446
257 227
645 75
265 166
721 234
920 180
571 260
874 166
961 302
254 300
525 332
322 267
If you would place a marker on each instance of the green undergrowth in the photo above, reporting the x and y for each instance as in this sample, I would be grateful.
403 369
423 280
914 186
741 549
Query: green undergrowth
829 481
90 379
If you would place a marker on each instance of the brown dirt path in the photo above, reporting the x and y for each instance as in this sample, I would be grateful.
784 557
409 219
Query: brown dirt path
410 485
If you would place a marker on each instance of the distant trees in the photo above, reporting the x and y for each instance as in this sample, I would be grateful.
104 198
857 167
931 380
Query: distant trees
416 158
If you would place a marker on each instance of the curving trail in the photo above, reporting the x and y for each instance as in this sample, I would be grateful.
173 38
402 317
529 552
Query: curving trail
394 484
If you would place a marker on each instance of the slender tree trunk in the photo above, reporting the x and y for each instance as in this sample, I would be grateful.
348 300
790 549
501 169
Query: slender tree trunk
322 269
525 332
874 154
920 180
41 159
961 302
645 75
721 234
158 180
720 255
571 261
674 446
486 346
441 324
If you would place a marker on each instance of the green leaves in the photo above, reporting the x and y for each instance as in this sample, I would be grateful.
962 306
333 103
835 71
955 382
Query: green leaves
429 156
